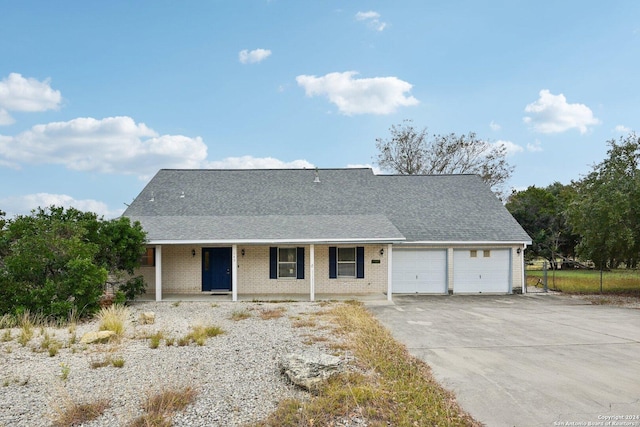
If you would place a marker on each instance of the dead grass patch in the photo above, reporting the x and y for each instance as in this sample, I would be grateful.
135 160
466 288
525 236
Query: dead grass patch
392 387
304 323
238 315
71 413
162 406
273 313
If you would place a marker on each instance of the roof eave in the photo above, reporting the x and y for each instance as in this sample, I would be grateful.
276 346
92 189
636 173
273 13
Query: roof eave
274 241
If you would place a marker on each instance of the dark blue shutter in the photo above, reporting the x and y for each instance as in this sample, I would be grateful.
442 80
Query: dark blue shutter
273 263
300 263
333 262
360 262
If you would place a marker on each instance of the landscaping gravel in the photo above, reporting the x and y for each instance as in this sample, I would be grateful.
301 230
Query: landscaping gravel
235 374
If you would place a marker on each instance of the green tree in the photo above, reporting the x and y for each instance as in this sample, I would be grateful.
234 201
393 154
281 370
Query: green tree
606 209
541 212
410 151
56 260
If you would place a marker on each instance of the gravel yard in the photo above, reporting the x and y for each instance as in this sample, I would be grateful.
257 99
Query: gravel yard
235 374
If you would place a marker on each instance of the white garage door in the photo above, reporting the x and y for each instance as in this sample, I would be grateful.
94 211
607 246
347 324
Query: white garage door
479 271
419 271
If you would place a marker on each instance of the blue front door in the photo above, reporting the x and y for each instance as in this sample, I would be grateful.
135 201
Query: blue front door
216 269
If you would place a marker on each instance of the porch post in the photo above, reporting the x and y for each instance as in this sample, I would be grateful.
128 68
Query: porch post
312 273
234 273
158 273
389 271
522 266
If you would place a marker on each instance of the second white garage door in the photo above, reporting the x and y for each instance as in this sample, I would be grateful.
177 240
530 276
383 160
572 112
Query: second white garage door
419 271
479 271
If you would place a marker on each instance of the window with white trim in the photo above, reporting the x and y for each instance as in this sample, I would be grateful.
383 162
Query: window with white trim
287 258
346 262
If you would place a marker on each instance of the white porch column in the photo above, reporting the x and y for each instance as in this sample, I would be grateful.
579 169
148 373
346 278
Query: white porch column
234 273
158 273
389 271
522 266
312 273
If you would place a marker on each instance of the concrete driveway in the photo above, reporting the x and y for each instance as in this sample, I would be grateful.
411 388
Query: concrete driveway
526 360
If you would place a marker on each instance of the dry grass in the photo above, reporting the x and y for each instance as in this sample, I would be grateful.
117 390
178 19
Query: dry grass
619 282
71 413
160 407
113 318
154 340
304 323
199 335
394 389
273 313
240 315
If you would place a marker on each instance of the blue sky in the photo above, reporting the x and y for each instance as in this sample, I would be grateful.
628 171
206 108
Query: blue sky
95 97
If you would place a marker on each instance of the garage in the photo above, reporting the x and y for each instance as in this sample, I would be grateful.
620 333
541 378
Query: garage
419 271
481 271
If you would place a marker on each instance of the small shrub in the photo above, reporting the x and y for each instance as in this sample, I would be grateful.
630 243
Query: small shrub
169 341
6 336
176 303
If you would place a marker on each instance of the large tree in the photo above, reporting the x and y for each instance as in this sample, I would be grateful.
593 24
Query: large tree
606 209
411 151
541 212
56 261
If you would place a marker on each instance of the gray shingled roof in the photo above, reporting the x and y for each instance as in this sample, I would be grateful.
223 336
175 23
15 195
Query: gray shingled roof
346 205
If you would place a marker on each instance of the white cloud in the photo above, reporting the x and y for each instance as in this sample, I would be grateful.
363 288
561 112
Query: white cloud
494 126
29 95
251 57
5 118
373 20
535 147
23 205
378 95
250 162
511 147
362 16
109 145
622 129
552 114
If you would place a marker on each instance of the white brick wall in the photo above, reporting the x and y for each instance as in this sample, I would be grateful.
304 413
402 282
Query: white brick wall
182 272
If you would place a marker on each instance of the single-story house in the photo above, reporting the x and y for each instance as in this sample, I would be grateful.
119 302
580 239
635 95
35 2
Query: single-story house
326 231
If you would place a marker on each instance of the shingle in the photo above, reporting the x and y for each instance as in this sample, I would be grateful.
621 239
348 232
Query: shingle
346 203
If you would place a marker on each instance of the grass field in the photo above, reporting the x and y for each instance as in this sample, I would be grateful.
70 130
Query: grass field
624 282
